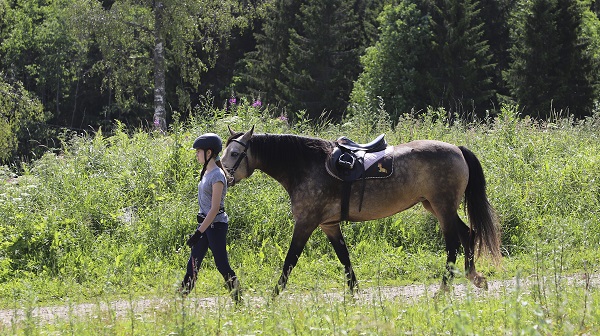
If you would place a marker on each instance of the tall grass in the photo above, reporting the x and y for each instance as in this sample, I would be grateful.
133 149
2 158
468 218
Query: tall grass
106 216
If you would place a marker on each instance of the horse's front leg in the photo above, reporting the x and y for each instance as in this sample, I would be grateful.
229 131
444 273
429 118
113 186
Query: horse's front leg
334 233
299 239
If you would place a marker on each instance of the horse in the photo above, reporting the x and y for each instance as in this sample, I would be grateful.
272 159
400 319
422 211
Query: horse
436 174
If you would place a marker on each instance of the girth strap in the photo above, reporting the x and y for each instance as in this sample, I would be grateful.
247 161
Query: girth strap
346 190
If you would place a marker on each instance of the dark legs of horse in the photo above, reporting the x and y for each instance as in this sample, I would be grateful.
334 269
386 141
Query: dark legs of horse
467 239
452 246
299 239
334 233
456 232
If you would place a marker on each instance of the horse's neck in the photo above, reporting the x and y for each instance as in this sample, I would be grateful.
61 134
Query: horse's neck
277 163
279 175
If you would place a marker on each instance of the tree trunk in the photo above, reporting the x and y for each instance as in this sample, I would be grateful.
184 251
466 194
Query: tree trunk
160 113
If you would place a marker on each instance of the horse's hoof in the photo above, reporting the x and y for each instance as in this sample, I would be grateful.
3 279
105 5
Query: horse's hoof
442 291
479 281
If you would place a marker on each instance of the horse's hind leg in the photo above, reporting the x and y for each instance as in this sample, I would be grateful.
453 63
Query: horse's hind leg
334 233
468 241
449 226
452 246
456 232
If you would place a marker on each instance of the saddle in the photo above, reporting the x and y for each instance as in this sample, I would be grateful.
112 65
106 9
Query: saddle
376 145
347 164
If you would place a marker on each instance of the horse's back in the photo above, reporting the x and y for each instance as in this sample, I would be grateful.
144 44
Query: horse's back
430 153
430 146
431 165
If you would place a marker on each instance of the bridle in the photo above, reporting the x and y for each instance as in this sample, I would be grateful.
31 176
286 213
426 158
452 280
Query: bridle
243 155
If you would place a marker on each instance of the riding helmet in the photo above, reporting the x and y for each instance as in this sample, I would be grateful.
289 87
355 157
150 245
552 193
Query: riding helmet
208 141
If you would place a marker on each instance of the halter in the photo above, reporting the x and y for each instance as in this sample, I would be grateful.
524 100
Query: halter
239 160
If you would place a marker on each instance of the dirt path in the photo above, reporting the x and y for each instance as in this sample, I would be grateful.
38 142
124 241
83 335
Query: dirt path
124 308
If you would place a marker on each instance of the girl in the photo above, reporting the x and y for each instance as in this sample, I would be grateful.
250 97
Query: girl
212 218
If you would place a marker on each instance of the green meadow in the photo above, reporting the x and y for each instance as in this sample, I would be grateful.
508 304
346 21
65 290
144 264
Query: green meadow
104 217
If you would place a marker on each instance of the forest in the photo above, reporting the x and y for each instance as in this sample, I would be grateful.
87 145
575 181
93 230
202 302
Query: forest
88 65
101 99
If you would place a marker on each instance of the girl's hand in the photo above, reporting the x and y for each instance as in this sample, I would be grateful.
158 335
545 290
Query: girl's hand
193 239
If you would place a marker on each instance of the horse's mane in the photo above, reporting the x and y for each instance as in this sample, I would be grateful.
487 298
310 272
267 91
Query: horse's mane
286 152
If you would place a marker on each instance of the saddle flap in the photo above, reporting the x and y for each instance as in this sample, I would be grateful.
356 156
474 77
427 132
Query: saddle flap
345 166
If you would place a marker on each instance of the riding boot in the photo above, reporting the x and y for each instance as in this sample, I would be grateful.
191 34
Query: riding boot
233 285
185 288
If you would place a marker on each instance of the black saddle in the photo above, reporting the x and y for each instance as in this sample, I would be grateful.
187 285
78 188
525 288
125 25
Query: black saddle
346 163
376 145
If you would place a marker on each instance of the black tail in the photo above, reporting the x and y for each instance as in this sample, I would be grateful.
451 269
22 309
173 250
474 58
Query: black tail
482 217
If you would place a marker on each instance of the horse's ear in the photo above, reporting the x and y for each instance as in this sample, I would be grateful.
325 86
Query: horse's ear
230 130
251 131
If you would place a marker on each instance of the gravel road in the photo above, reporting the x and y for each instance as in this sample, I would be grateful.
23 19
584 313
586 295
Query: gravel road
124 308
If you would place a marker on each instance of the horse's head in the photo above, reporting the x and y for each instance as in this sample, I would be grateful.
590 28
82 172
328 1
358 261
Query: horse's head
235 157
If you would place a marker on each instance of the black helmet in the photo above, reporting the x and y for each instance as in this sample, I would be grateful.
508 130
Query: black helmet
209 141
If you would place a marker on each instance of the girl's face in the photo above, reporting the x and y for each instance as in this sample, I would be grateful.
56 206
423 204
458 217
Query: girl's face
200 155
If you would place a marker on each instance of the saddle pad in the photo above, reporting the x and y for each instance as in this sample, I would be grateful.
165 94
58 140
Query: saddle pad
379 164
371 158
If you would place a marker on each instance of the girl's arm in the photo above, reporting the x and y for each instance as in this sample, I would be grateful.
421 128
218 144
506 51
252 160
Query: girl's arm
215 205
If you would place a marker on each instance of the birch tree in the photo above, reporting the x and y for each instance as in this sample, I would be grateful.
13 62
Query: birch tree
142 41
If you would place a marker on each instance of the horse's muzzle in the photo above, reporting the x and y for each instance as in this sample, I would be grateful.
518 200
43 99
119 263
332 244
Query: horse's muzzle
230 180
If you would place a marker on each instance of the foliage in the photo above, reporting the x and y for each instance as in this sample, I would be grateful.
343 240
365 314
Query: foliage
306 55
134 37
459 76
431 55
19 110
39 48
553 68
93 62
109 214
394 66
261 68
323 59
495 15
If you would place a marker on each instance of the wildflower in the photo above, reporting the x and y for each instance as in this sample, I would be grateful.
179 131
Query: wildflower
282 118
257 103
232 101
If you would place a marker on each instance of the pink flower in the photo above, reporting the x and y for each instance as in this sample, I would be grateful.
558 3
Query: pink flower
257 103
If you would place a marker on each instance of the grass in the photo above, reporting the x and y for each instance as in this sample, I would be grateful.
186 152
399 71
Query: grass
563 309
105 216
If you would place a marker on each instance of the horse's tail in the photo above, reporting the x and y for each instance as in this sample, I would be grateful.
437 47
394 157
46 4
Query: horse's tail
483 219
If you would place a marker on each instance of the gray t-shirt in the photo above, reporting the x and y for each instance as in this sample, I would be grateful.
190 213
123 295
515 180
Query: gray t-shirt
205 193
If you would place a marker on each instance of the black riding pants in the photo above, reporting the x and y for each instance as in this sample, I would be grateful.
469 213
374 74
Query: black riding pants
214 238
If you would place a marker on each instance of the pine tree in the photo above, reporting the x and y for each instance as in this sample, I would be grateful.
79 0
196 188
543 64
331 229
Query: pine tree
532 72
262 67
460 74
368 13
551 68
395 65
495 16
323 59
579 73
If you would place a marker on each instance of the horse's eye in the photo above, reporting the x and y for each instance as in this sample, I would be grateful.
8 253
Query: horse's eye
234 154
